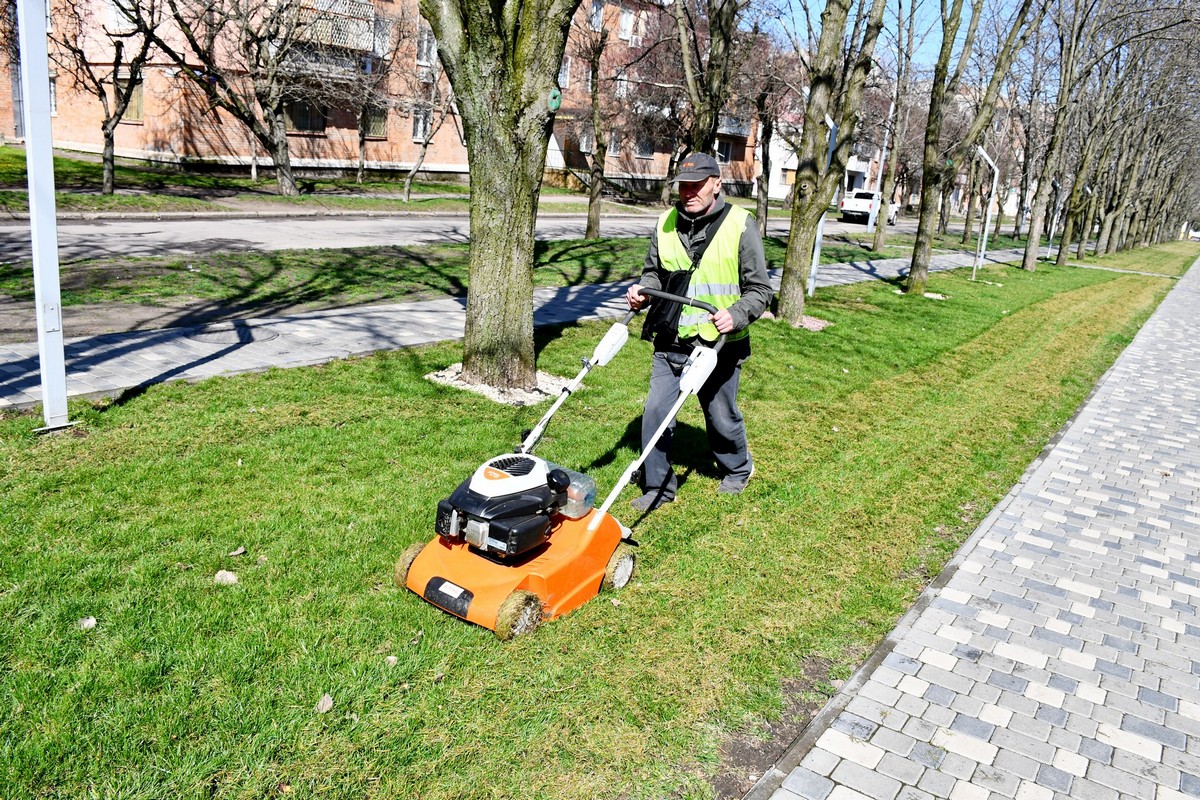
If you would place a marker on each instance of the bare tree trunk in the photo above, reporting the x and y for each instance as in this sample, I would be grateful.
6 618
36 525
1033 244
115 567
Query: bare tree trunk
816 179
972 177
362 147
416 167
764 177
498 342
1089 215
281 156
599 147
108 182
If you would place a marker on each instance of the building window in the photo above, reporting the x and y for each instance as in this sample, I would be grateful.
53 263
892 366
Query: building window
426 46
644 148
788 176
597 17
586 142
724 151
626 30
54 96
614 143
622 87
134 112
375 123
303 118
564 73
422 123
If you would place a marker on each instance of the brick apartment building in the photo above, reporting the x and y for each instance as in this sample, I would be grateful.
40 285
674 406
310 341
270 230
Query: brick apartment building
170 120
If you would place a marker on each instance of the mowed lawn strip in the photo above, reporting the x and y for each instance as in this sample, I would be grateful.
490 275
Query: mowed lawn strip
881 442
1171 258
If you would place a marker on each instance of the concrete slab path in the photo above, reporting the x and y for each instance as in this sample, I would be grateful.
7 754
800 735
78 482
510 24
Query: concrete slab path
1058 654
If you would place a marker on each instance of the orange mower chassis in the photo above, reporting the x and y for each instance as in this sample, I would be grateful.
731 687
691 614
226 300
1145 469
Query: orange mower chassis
564 573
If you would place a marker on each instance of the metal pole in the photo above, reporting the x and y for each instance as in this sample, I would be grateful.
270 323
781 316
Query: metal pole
812 273
982 251
39 163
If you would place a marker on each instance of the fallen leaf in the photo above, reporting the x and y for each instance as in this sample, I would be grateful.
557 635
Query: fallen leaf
262 560
391 661
241 551
225 578
324 705
239 462
616 602
87 623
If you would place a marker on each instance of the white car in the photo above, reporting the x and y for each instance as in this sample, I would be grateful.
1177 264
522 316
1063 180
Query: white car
860 205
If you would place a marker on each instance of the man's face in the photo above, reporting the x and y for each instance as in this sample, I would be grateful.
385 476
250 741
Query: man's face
697 196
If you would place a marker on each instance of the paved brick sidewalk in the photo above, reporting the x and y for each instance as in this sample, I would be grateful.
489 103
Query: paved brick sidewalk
107 365
1058 654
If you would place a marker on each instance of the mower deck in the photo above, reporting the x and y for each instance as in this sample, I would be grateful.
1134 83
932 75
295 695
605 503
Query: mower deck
564 573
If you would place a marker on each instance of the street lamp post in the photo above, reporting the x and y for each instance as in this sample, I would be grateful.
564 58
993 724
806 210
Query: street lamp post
981 252
812 273
39 163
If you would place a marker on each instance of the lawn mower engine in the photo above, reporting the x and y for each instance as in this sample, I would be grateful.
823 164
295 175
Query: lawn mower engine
508 506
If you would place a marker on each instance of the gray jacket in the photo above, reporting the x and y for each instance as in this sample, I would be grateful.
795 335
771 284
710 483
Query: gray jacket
752 263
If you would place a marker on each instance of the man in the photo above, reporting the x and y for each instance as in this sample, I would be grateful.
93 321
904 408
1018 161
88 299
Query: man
707 249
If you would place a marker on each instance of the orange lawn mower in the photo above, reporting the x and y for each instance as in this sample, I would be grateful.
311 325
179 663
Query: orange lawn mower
520 541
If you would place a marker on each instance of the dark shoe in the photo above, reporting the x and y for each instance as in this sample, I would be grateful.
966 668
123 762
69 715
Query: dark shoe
735 484
649 502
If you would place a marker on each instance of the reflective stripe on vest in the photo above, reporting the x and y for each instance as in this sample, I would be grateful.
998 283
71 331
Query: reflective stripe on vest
716 280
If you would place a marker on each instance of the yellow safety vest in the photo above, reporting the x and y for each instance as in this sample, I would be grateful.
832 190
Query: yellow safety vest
716 279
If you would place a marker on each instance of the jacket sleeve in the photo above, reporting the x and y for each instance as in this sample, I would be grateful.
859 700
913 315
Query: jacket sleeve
651 278
753 277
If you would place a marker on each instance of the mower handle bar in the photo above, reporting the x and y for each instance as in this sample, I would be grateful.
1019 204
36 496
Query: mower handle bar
687 301
678 298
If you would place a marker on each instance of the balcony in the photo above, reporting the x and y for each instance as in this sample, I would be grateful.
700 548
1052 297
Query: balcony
349 25
732 126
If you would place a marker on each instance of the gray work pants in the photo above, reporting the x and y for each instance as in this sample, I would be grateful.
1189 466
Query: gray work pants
722 418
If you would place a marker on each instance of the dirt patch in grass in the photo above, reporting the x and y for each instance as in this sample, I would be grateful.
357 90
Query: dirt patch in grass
745 757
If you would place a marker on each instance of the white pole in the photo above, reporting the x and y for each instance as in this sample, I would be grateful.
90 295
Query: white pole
982 251
39 163
812 273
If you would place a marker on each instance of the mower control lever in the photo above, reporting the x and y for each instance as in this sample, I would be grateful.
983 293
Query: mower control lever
687 301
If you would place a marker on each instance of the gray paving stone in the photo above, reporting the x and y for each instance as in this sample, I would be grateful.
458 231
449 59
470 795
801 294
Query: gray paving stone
906 771
1054 778
1158 733
808 785
871 782
1017 764
927 755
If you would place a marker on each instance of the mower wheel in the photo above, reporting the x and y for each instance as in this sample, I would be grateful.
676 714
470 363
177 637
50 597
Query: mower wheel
620 567
405 562
519 614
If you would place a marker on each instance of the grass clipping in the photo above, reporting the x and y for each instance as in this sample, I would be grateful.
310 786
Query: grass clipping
547 386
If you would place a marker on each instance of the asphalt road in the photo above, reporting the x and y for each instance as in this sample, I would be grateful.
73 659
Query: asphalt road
80 239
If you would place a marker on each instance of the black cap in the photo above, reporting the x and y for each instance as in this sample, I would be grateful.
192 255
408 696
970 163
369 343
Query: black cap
697 167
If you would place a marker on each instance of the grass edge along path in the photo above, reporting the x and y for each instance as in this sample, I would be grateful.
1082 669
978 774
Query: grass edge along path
881 442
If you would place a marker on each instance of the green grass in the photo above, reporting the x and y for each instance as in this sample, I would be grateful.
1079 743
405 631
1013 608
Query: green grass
947 241
880 443
1168 258
290 278
78 179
